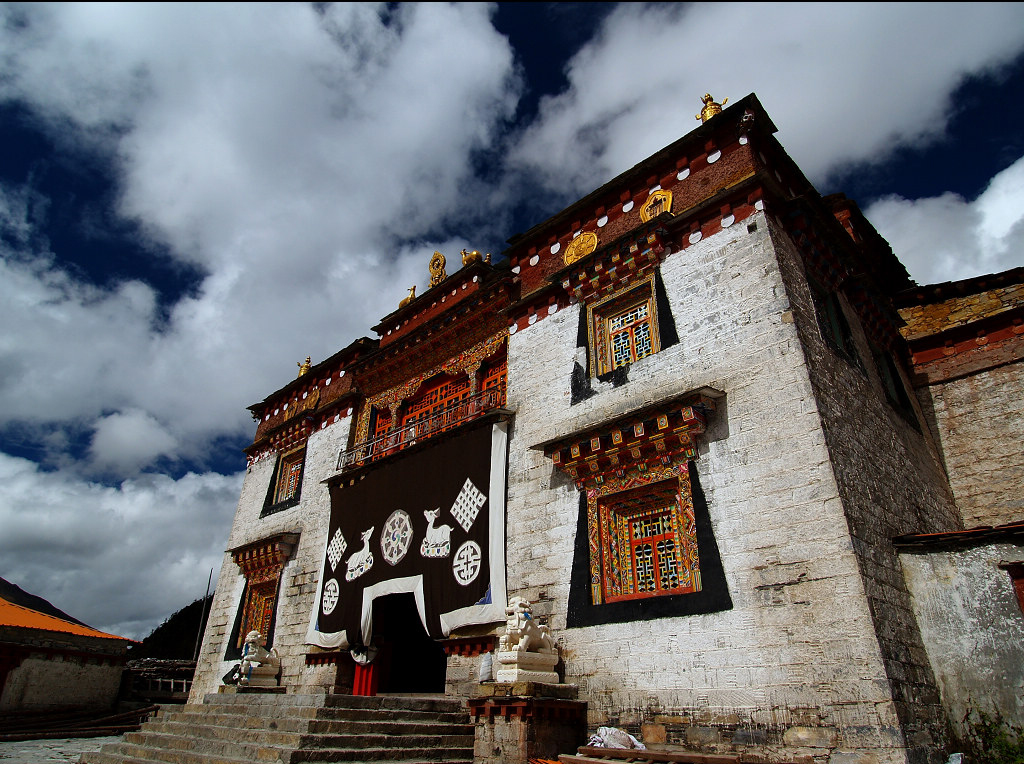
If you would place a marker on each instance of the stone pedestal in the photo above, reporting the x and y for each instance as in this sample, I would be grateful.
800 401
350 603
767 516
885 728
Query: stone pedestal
517 721
516 666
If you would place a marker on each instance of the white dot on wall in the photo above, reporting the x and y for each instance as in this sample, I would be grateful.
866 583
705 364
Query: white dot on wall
577 233
532 319
536 258
714 156
512 329
683 174
337 417
555 247
744 140
276 411
453 292
695 237
465 284
552 309
475 279
341 374
759 205
516 269
266 417
602 221
627 206
304 396
652 189
728 220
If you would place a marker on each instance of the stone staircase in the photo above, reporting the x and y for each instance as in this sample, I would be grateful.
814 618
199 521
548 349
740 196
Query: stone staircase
232 729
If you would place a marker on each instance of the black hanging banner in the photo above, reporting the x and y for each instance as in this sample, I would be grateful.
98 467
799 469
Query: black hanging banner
432 524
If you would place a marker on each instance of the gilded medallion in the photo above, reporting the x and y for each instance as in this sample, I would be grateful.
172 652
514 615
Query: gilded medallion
658 202
580 247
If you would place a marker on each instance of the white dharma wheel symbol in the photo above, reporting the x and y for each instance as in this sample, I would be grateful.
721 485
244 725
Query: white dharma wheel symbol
396 537
466 564
330 598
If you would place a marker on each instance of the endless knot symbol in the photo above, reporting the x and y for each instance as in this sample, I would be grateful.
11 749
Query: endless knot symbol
336 549
467 505
466 564
330 598
396 537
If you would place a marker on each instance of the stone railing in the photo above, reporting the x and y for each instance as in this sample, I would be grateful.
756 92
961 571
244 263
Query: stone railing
458 413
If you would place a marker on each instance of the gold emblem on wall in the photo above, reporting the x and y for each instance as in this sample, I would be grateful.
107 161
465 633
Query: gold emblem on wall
580 247
437 272
658 202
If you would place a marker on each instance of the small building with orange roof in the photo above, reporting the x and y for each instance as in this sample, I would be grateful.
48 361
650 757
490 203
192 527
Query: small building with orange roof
50 663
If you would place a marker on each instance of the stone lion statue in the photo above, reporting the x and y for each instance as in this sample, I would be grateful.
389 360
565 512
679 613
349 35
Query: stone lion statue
522 633
256 658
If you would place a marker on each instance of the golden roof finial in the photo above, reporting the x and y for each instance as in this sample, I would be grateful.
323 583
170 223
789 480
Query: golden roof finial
470 257
437 271
710 108
412 296
305 366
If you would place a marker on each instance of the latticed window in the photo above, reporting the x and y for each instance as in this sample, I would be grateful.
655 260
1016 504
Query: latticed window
623 328
648 543
289 476
439 397
494 374
630 334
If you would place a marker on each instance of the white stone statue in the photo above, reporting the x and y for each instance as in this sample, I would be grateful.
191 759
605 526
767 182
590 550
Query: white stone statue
259 666
526 652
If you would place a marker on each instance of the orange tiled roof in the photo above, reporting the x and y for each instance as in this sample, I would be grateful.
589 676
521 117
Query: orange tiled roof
16 615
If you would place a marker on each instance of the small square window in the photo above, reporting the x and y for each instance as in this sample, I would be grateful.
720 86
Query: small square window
623 328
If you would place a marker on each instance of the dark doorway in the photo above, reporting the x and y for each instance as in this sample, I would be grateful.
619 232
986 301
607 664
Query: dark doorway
408 660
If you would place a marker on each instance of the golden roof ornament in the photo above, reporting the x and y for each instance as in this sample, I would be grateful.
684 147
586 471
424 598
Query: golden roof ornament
437 272
474 257
412 296
710 108
304 366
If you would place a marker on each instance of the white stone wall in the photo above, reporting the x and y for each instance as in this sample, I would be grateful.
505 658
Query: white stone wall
797 652
971 623
298 580
50 682
980 424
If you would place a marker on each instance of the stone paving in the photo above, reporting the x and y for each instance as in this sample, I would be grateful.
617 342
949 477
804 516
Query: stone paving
41 751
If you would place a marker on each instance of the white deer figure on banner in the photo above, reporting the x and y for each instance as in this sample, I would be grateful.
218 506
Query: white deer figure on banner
437 542
361 561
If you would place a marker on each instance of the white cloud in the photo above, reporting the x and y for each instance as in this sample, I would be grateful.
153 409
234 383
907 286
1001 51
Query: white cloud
844 82
946 238
126 441
118 558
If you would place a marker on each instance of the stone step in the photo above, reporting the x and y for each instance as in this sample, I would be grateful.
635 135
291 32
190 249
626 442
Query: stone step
239 721
208 730
178 749
118 753
392 714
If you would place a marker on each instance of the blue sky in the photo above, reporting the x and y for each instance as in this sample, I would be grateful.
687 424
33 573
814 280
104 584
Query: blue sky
195 197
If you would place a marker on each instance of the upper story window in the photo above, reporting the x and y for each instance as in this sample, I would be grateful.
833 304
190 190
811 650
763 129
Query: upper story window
835 329
624 328
287 483
892 383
